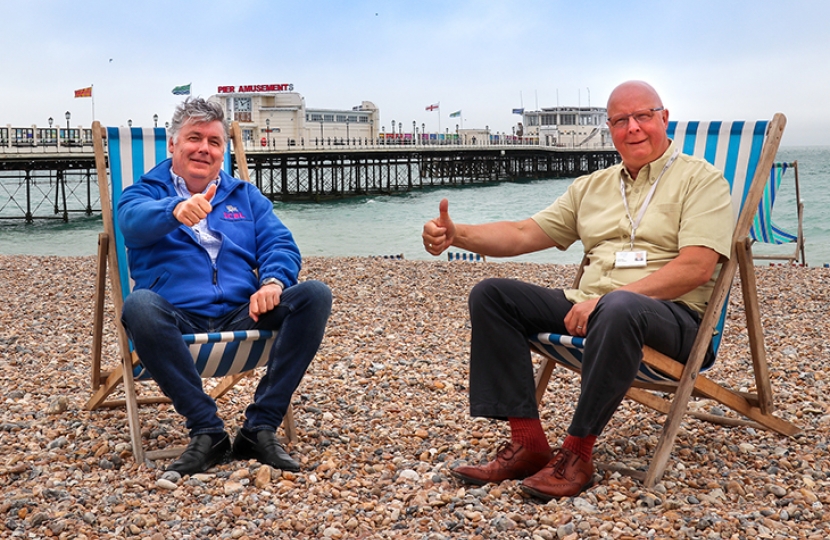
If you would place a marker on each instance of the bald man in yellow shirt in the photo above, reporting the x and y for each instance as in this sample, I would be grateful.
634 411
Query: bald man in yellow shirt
655 229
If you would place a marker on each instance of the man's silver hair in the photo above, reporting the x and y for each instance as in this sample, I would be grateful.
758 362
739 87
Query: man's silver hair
197 110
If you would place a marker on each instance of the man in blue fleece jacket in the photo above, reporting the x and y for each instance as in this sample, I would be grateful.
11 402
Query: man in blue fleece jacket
208 254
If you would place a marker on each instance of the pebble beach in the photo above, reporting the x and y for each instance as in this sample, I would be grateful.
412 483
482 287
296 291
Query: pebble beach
382 415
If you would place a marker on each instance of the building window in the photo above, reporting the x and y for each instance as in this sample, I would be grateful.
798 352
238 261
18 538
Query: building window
567 119
363 119
328 117
316 117
341 117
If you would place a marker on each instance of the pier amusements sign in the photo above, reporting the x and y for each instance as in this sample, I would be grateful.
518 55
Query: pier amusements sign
252 88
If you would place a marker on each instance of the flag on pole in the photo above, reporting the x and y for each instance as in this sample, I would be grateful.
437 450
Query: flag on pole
456 114
432 107
84 92
183 90
519 111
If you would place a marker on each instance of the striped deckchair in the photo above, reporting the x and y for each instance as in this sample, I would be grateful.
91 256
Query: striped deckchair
764 230
230 355
744 151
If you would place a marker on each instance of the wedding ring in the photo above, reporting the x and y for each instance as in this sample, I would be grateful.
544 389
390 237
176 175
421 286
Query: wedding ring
430 245
579 328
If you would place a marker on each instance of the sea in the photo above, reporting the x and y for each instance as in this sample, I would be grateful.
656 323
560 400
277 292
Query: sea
390 225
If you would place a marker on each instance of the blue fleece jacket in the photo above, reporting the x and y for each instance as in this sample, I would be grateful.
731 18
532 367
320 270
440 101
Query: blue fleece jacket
165 257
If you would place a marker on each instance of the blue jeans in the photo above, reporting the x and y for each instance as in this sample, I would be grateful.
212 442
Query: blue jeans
156 328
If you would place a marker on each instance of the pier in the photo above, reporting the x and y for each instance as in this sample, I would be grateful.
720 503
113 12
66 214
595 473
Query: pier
60 181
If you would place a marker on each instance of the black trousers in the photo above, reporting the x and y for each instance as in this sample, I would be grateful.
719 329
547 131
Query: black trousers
505 312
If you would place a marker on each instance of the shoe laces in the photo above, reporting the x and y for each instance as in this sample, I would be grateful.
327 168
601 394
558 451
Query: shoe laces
506 451
560 461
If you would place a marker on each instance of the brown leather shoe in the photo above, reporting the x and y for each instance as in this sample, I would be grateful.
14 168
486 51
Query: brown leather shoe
512 461
566 475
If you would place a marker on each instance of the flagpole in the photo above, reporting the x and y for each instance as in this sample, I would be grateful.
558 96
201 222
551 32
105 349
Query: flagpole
92 95
439 117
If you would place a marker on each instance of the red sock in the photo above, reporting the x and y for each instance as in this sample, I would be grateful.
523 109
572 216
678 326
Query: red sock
581 446
529 433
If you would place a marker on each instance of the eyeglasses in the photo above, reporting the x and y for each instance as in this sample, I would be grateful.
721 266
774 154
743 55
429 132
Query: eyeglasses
641 117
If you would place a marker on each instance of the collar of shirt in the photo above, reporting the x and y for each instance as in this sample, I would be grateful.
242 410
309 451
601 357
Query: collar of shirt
650 171
181 185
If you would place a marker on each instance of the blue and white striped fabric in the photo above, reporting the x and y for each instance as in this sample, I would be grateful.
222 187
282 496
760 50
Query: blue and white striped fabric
763 228
132 152
732 147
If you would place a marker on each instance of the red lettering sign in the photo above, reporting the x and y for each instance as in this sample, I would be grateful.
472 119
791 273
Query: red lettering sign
251 88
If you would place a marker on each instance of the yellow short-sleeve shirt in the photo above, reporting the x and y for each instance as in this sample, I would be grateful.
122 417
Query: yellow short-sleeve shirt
691 206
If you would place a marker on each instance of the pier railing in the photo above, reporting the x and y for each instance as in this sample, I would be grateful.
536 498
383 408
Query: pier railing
54 181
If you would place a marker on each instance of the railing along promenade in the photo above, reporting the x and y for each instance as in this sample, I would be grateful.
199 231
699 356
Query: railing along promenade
56 182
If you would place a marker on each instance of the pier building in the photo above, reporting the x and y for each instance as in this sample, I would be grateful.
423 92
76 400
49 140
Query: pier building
275 116
573 127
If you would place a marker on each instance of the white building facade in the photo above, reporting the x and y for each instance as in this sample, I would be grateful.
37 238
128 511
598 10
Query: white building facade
275 116
577 127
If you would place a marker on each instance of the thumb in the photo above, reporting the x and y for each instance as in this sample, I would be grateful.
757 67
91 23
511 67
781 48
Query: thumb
444 213
210 193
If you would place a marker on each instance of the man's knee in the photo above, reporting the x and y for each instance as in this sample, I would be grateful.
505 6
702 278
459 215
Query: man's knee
619 309
139 303
484 292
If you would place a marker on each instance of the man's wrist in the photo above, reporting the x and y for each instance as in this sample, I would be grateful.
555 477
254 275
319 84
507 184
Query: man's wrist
274 281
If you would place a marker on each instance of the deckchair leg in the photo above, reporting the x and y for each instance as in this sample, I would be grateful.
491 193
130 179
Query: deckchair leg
543 378
289 426
98 318
754 330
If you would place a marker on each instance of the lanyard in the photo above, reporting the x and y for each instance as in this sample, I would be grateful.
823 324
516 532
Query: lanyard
635 224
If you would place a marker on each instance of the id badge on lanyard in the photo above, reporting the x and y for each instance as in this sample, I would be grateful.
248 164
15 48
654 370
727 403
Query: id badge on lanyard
631 258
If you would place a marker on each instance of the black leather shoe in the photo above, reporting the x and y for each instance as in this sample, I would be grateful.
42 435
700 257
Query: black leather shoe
201 454
266 450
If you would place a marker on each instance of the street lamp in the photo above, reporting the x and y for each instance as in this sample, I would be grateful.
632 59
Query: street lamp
50 121
67 116
155 120
268 130
347 131
130 123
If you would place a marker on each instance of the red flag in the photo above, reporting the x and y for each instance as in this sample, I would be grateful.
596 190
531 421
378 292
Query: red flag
432 107
84 92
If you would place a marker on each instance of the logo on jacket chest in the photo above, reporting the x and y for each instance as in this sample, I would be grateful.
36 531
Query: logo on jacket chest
232 213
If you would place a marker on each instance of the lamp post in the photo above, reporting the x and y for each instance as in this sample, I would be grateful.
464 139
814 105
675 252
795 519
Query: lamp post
372 131
347 131
68 115
50 121
130 122
155 120
321 131
268 130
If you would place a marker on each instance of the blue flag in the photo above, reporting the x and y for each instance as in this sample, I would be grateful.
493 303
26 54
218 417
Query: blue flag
518 111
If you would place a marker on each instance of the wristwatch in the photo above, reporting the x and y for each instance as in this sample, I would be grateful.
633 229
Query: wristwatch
270 280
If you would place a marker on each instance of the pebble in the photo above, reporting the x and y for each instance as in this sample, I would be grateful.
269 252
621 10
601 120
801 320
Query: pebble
383 413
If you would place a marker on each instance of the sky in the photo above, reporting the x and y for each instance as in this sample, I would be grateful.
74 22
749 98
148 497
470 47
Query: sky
708 59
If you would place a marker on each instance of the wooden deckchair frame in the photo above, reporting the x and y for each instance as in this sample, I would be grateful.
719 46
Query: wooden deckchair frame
758 406
104 382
